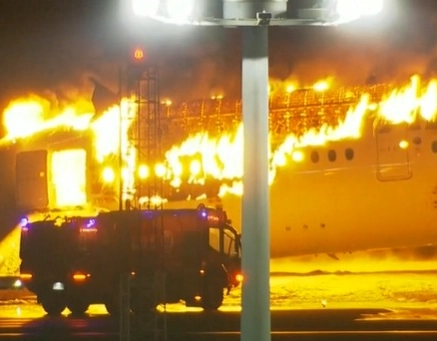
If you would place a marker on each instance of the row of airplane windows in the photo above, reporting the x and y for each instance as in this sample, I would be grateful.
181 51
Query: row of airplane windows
332 155
349 154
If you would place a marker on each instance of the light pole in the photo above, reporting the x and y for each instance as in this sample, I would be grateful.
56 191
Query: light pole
255 17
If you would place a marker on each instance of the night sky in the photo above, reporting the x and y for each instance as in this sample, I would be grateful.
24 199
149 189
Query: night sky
53 47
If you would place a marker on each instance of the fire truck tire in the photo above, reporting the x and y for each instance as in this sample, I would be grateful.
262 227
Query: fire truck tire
53 304
78 307
212 296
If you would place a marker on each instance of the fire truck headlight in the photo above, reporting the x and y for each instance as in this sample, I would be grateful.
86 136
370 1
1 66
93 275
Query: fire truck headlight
24 222
18 284
58 286
239 278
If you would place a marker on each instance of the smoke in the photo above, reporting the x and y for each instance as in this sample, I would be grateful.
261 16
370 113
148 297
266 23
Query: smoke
57 53
389 49
379 50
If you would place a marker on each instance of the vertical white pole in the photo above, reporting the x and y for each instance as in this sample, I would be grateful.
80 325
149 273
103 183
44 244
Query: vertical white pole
255 316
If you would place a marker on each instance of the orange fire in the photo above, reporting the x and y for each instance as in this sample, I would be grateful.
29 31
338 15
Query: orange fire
26 117
221 158
201 156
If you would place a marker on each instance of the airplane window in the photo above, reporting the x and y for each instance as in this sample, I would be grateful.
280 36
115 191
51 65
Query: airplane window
349 154
434 146
332 155
417 140
315 156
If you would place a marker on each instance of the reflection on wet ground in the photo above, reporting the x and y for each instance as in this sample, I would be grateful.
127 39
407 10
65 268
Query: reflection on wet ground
406 288
405 295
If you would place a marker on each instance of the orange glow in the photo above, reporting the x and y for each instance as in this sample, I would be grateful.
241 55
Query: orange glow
201 156
297 156
26 276
217 97
404 144
239 278
405 104
321 86
108 175
290 88
26 116
80 277
69 177
143 171
139 54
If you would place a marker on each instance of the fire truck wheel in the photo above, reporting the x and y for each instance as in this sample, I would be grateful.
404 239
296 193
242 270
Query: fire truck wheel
53 304
78 307
212 296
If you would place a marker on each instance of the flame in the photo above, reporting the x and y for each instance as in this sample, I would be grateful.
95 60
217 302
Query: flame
24 117
407 104
322 85
69 177
221 157
203 156
27 116
208 157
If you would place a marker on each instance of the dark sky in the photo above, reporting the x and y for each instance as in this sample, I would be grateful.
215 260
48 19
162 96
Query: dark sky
52 47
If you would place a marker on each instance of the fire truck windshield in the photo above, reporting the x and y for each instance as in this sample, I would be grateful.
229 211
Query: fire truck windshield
224 240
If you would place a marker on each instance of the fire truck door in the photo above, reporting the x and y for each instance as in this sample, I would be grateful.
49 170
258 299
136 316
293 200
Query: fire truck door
192 246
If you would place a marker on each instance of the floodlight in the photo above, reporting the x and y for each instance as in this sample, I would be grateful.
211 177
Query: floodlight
348 10
145 8
372 7
180 10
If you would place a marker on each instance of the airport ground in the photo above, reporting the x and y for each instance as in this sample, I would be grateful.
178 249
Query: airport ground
396 304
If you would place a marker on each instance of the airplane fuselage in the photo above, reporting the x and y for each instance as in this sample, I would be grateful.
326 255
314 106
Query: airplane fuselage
378 191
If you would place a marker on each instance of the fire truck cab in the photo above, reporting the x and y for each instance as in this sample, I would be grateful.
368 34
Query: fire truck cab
165 256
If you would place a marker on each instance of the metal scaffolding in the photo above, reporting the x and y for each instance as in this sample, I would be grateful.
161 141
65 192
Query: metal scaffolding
145 133
144 149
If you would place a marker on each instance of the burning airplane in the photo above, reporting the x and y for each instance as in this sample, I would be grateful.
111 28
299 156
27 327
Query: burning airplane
350 169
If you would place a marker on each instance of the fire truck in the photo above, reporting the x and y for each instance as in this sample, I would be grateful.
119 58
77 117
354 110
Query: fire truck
165 256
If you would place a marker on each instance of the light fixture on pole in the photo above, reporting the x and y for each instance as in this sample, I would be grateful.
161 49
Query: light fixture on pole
255 17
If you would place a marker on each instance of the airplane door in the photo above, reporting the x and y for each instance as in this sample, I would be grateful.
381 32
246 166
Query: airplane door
31 179
392 162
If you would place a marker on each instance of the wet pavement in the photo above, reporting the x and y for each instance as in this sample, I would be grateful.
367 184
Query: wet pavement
306 306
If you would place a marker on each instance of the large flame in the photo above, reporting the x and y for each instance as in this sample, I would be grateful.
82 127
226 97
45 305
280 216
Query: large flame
69 177
221 160
203 156
25 117
409 103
